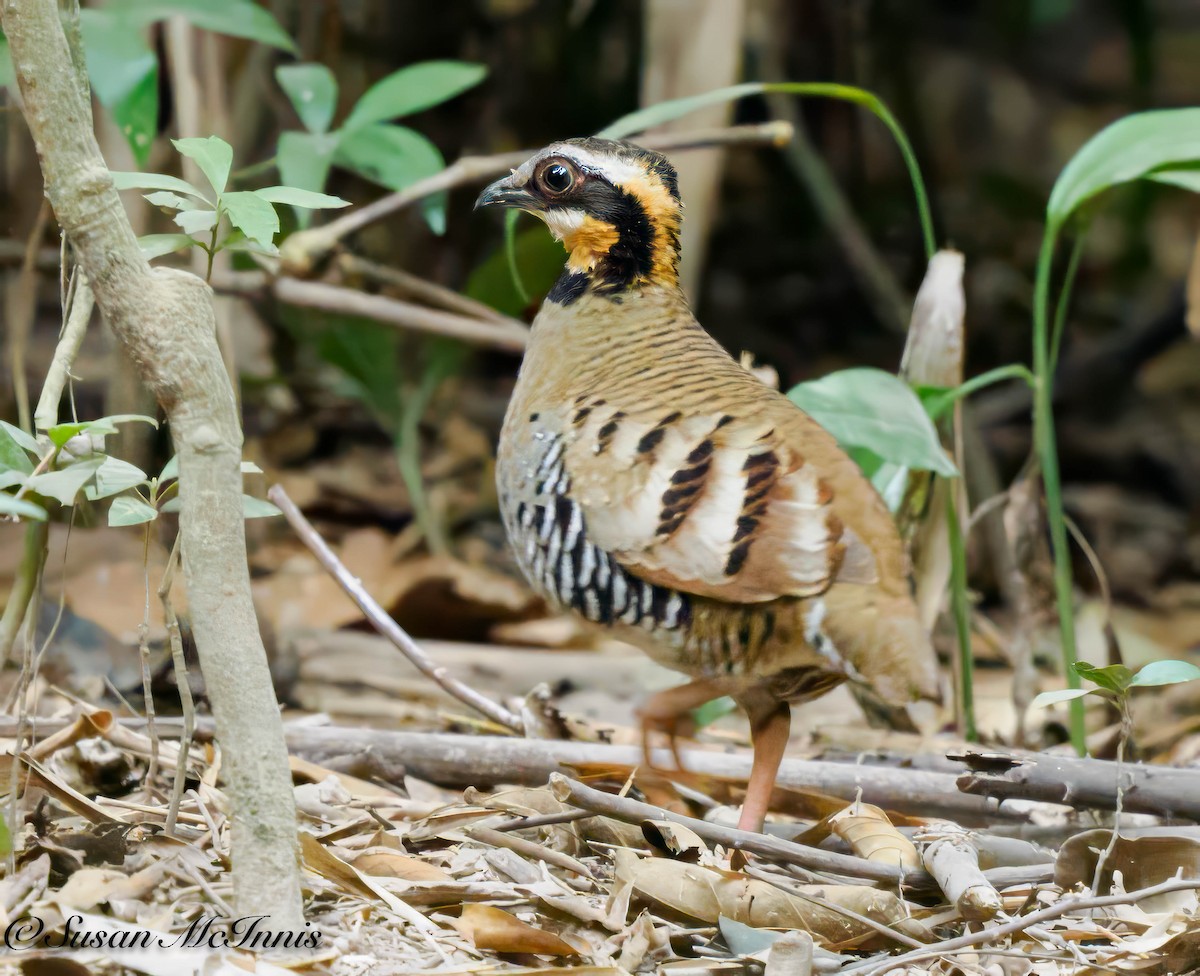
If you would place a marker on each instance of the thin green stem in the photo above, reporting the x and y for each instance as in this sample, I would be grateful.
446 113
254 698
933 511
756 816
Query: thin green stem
1046 449
510 253
1064 298
1013 371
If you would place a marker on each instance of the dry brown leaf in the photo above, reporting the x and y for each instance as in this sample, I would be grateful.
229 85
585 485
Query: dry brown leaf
707 893
492 928
1156 855
674 840
53 966
384 863
359 788
870 834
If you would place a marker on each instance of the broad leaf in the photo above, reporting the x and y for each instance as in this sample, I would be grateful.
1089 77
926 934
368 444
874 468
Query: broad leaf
212 154
1131 148
64 485
252 215
1055 697
294 196
744 940
540 259
59 434
876 410
1114 677
258 508
170 469
113 477
313 92
395 157
123 70
155 181
19 506
1165 673
413 89
130 510
156 245
237 18
196 221
304 159
167 200
13 457
1184 177
22 439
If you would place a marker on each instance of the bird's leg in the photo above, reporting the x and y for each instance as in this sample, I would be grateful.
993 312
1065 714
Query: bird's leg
770 727
667 711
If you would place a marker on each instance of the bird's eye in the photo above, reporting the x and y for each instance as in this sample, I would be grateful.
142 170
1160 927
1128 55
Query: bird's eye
557 178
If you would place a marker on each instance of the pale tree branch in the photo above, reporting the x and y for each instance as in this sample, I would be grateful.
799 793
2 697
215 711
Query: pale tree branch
164 321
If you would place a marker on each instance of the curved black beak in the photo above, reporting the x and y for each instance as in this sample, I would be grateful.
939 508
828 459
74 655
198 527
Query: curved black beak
503 193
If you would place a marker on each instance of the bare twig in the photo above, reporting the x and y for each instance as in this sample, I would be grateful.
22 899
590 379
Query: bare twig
529 849
567 790
73 331
302 252
1085 783
382 622
22 308
951 858
181 682
394 311
1062 907
429 292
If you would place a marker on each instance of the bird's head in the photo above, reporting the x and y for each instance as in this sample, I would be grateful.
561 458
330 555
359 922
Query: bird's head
615 207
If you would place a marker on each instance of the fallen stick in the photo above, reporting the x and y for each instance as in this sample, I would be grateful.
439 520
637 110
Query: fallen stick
385 624
1158 790
949 855
451 759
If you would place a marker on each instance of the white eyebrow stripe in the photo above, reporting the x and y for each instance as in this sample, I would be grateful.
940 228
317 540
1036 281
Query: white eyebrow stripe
618 171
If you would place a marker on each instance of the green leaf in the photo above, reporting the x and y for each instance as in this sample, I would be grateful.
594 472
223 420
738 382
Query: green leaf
155 181
212 154
870 408
1114 677
27 441
1047 698
1186 178
170 469
65 484
130 510
113 477
156 245
59 434
196 221
237 18
413 89
1131 148
390 155
647 118
1165 673
167 200
19 506
8 79
123 70
294 196
258 508
13 456
540 258
304 159
252 215
312 90
710 711
108 425
395 157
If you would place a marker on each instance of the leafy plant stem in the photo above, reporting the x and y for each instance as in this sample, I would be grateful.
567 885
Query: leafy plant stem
1047 455
408 457
962 618
211 250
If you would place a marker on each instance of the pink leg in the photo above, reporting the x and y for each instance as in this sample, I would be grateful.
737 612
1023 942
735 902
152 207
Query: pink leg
667 711
769 733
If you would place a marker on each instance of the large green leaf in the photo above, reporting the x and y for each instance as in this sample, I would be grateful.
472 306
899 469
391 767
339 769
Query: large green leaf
156 245
65 484
413 89
113 477
123 70
1113 677
312 90
23 439
540 259
237 18
1165 673
252 215
1047 698
13 457
19 506
1131 148
395 157
303 159
156 181
130 510
296 197
873 409
212 154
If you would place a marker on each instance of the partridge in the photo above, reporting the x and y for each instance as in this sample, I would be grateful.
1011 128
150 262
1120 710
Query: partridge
653 485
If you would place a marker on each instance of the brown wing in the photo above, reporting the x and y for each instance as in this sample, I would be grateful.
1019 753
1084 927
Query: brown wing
735 502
